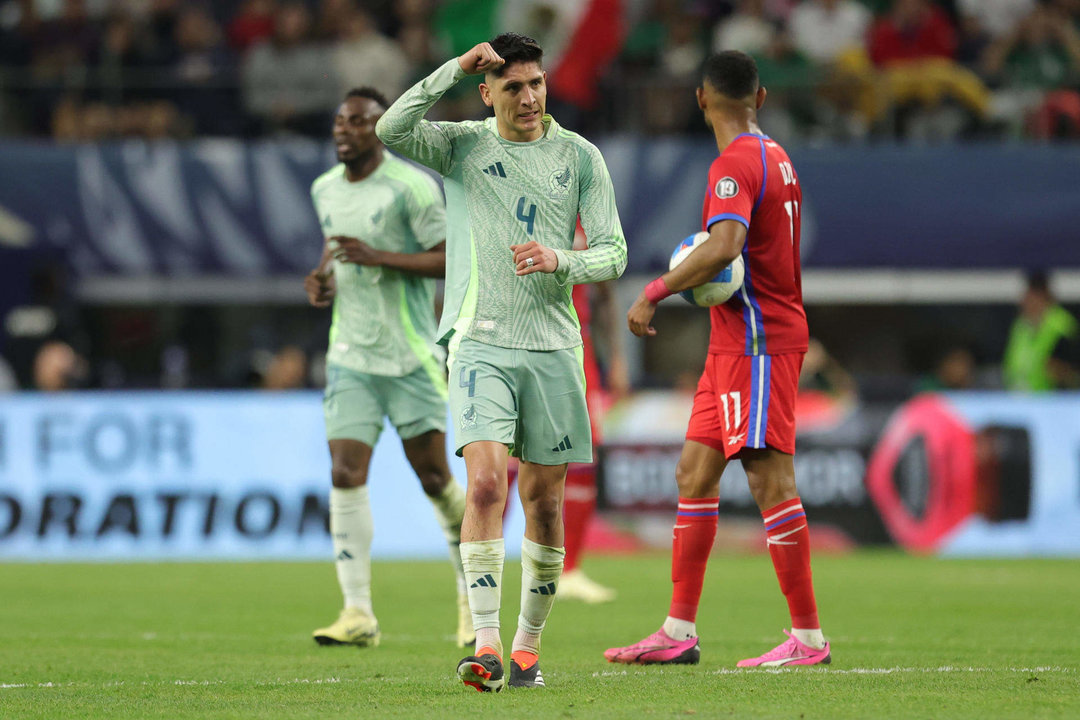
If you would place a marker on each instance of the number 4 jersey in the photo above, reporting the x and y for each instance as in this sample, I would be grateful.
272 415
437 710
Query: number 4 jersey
754 183
501 193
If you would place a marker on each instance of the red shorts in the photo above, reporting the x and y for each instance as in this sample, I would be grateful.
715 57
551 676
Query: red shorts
746 401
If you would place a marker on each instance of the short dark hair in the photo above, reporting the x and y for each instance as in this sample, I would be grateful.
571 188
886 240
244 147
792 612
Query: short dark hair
370 93
734 74
1038 281
515 48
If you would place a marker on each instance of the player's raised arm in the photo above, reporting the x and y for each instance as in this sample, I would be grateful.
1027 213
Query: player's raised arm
403 127
605 258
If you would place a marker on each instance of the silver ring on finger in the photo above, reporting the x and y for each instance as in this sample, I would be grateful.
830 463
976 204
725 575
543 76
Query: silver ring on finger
529 262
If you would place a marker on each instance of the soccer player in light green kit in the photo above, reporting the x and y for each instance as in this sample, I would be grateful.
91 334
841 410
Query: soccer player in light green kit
515 186
385 228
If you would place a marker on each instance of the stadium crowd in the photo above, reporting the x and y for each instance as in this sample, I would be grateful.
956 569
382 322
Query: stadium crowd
81 70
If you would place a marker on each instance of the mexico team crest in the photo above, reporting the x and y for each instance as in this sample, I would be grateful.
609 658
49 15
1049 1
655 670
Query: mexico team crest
468 418
559 183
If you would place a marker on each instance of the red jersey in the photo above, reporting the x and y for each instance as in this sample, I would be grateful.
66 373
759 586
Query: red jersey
754 183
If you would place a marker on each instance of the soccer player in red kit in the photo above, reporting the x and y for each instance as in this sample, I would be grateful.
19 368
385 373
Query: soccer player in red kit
579 500
744 406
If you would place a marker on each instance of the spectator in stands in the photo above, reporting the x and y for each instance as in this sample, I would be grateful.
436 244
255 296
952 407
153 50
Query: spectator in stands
996 17
832 34
665 105
204 74
824 29
120 64
784 70
748 29
363 57
1042 352
912 30
288 82
160 31
58 367
286 370
1042 51
972 42
253 24
955 370
914 46
63 45
334 15
1037 65
418 44
822 373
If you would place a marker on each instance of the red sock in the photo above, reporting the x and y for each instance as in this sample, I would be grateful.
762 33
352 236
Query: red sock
788 539
692 540
579 504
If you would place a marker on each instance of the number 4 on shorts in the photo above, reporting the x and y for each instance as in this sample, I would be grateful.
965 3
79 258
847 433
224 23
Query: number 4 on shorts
467 379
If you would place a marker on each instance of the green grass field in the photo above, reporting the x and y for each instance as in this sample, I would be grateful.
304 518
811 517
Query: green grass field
912 638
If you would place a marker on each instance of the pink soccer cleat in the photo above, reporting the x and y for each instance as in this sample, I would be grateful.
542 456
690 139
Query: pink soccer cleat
657 649
790 652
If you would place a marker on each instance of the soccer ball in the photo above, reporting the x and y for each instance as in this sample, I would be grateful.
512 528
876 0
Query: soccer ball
718 290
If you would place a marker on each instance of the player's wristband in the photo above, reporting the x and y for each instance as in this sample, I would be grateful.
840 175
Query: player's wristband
657 290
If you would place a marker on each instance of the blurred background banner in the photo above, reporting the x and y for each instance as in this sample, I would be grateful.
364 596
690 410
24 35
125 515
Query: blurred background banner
230 207
231 475
154 476
956 473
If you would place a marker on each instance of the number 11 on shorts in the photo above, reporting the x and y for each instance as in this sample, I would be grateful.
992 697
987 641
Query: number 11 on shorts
736 400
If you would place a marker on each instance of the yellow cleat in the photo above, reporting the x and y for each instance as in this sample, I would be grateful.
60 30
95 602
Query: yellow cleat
465 634
576 585
353 627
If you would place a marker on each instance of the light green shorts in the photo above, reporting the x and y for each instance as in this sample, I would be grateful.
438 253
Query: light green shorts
356 403
531 401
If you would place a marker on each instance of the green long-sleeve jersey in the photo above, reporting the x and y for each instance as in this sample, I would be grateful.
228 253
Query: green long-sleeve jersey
501 193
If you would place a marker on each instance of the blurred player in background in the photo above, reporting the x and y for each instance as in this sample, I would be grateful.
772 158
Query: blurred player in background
579 505
1044 342
516 184
385 227
744 406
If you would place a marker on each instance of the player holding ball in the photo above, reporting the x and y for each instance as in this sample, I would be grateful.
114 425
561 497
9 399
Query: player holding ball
744 406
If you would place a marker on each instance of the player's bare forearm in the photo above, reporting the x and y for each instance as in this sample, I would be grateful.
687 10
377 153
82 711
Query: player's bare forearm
639 318
429 263
318 284
725 243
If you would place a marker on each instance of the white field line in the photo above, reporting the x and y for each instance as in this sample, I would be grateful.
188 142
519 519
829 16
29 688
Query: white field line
204 683
855 671
603 674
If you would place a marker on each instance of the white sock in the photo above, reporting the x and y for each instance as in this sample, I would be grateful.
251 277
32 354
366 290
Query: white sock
483 562
352 528
811 637
449 511
677 629
541 567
